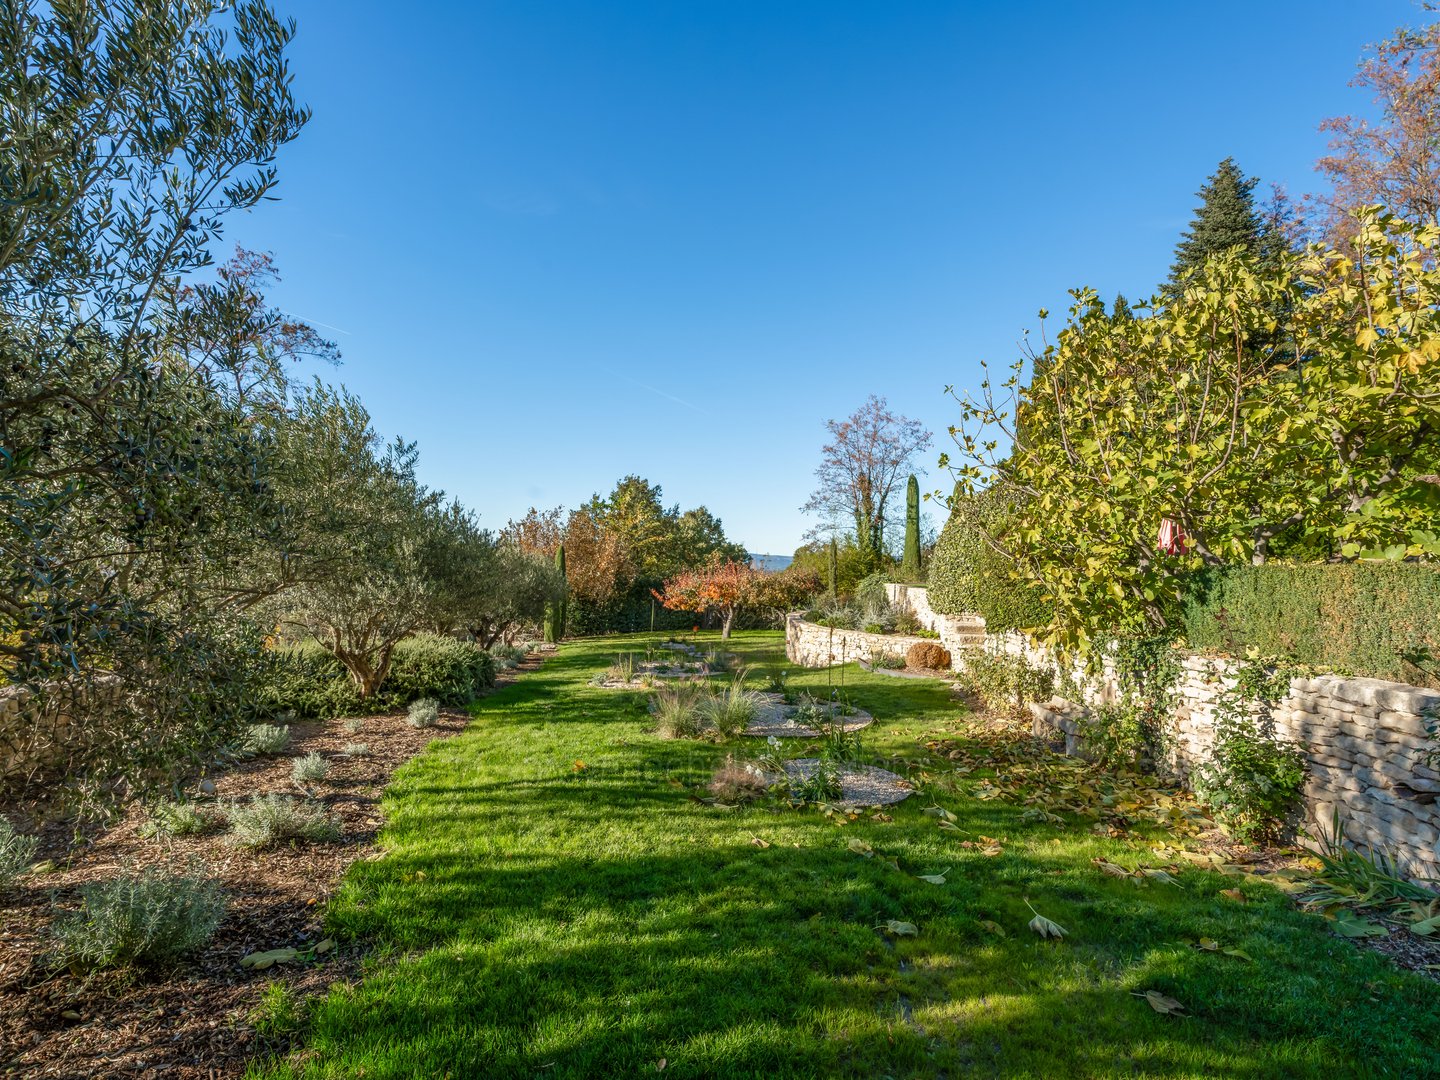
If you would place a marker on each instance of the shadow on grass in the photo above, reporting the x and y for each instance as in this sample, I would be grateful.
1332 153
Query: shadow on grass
553 905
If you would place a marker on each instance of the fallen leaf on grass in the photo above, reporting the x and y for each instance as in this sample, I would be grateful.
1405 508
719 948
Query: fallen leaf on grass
579 766
1233 894
941 813
1159 875
934 879
1166 1006
755 840
1046 928
859 847
987 845
898 928
994 928
1110 868
1206 944
321 948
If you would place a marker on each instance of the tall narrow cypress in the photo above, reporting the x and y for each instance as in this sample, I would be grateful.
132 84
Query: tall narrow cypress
562 606
555 610
910 564
834 567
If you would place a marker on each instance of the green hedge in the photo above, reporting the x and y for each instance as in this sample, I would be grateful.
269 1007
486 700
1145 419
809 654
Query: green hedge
307 680
629 613
967 575
1375 619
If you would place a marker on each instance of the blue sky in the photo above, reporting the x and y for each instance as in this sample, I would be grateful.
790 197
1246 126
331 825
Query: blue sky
562 242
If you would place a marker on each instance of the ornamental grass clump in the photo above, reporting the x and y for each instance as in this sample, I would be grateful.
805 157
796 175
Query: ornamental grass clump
676 710
423 713
730 711
738 782
16 852
149 919
268 820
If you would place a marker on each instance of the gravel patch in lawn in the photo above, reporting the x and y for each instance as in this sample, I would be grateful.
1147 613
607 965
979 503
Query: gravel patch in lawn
776 718
860 785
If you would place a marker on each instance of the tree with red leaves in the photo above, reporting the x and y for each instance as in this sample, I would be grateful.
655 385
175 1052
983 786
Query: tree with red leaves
724 586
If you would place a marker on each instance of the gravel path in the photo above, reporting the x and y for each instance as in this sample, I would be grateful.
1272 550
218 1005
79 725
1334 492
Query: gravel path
860 785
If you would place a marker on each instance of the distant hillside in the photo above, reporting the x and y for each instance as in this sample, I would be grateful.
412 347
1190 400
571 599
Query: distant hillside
770 563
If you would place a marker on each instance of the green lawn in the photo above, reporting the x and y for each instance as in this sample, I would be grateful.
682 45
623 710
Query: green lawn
536 918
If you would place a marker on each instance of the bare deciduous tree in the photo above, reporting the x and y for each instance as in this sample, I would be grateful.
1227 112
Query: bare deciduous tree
1395 160
868 453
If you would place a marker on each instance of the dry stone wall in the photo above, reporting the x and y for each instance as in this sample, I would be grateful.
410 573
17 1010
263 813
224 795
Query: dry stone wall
1366 741
814 646
40 733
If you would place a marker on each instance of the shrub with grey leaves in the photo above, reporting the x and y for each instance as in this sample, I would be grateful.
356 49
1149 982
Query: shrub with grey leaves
269 820
149 919
423 713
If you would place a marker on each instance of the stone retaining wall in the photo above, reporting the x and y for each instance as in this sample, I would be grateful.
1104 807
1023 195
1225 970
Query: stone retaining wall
814 646
40 734
1365 740
1365 744
957 632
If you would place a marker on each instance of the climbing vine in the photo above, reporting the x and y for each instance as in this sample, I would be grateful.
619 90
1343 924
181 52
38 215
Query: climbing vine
1253 778
1127 731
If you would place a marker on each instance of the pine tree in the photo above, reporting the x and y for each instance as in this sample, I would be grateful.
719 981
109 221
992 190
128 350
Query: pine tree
1120 310
1225 218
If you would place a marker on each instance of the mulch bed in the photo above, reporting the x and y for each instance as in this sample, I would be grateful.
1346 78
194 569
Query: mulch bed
192 1021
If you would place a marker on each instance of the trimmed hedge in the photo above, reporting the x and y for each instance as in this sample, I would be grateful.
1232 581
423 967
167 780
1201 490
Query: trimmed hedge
967 575
1380 620
307 680
629 613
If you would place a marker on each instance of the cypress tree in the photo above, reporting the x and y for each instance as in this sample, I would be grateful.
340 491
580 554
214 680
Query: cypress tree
910 564
834 567
562 606
555 610
1225 218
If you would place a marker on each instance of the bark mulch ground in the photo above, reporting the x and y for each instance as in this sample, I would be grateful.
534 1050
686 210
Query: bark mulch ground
196 1020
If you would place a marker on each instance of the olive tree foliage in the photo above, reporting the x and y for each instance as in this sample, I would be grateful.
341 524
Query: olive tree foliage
485 586
129 481
1315 445
359 576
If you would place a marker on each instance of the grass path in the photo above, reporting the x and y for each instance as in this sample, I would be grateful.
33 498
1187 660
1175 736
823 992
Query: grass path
540 918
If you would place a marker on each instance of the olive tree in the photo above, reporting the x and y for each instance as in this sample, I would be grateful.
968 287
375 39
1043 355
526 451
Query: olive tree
128 481
362 532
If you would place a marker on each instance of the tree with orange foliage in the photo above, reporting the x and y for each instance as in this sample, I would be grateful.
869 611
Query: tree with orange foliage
724 586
